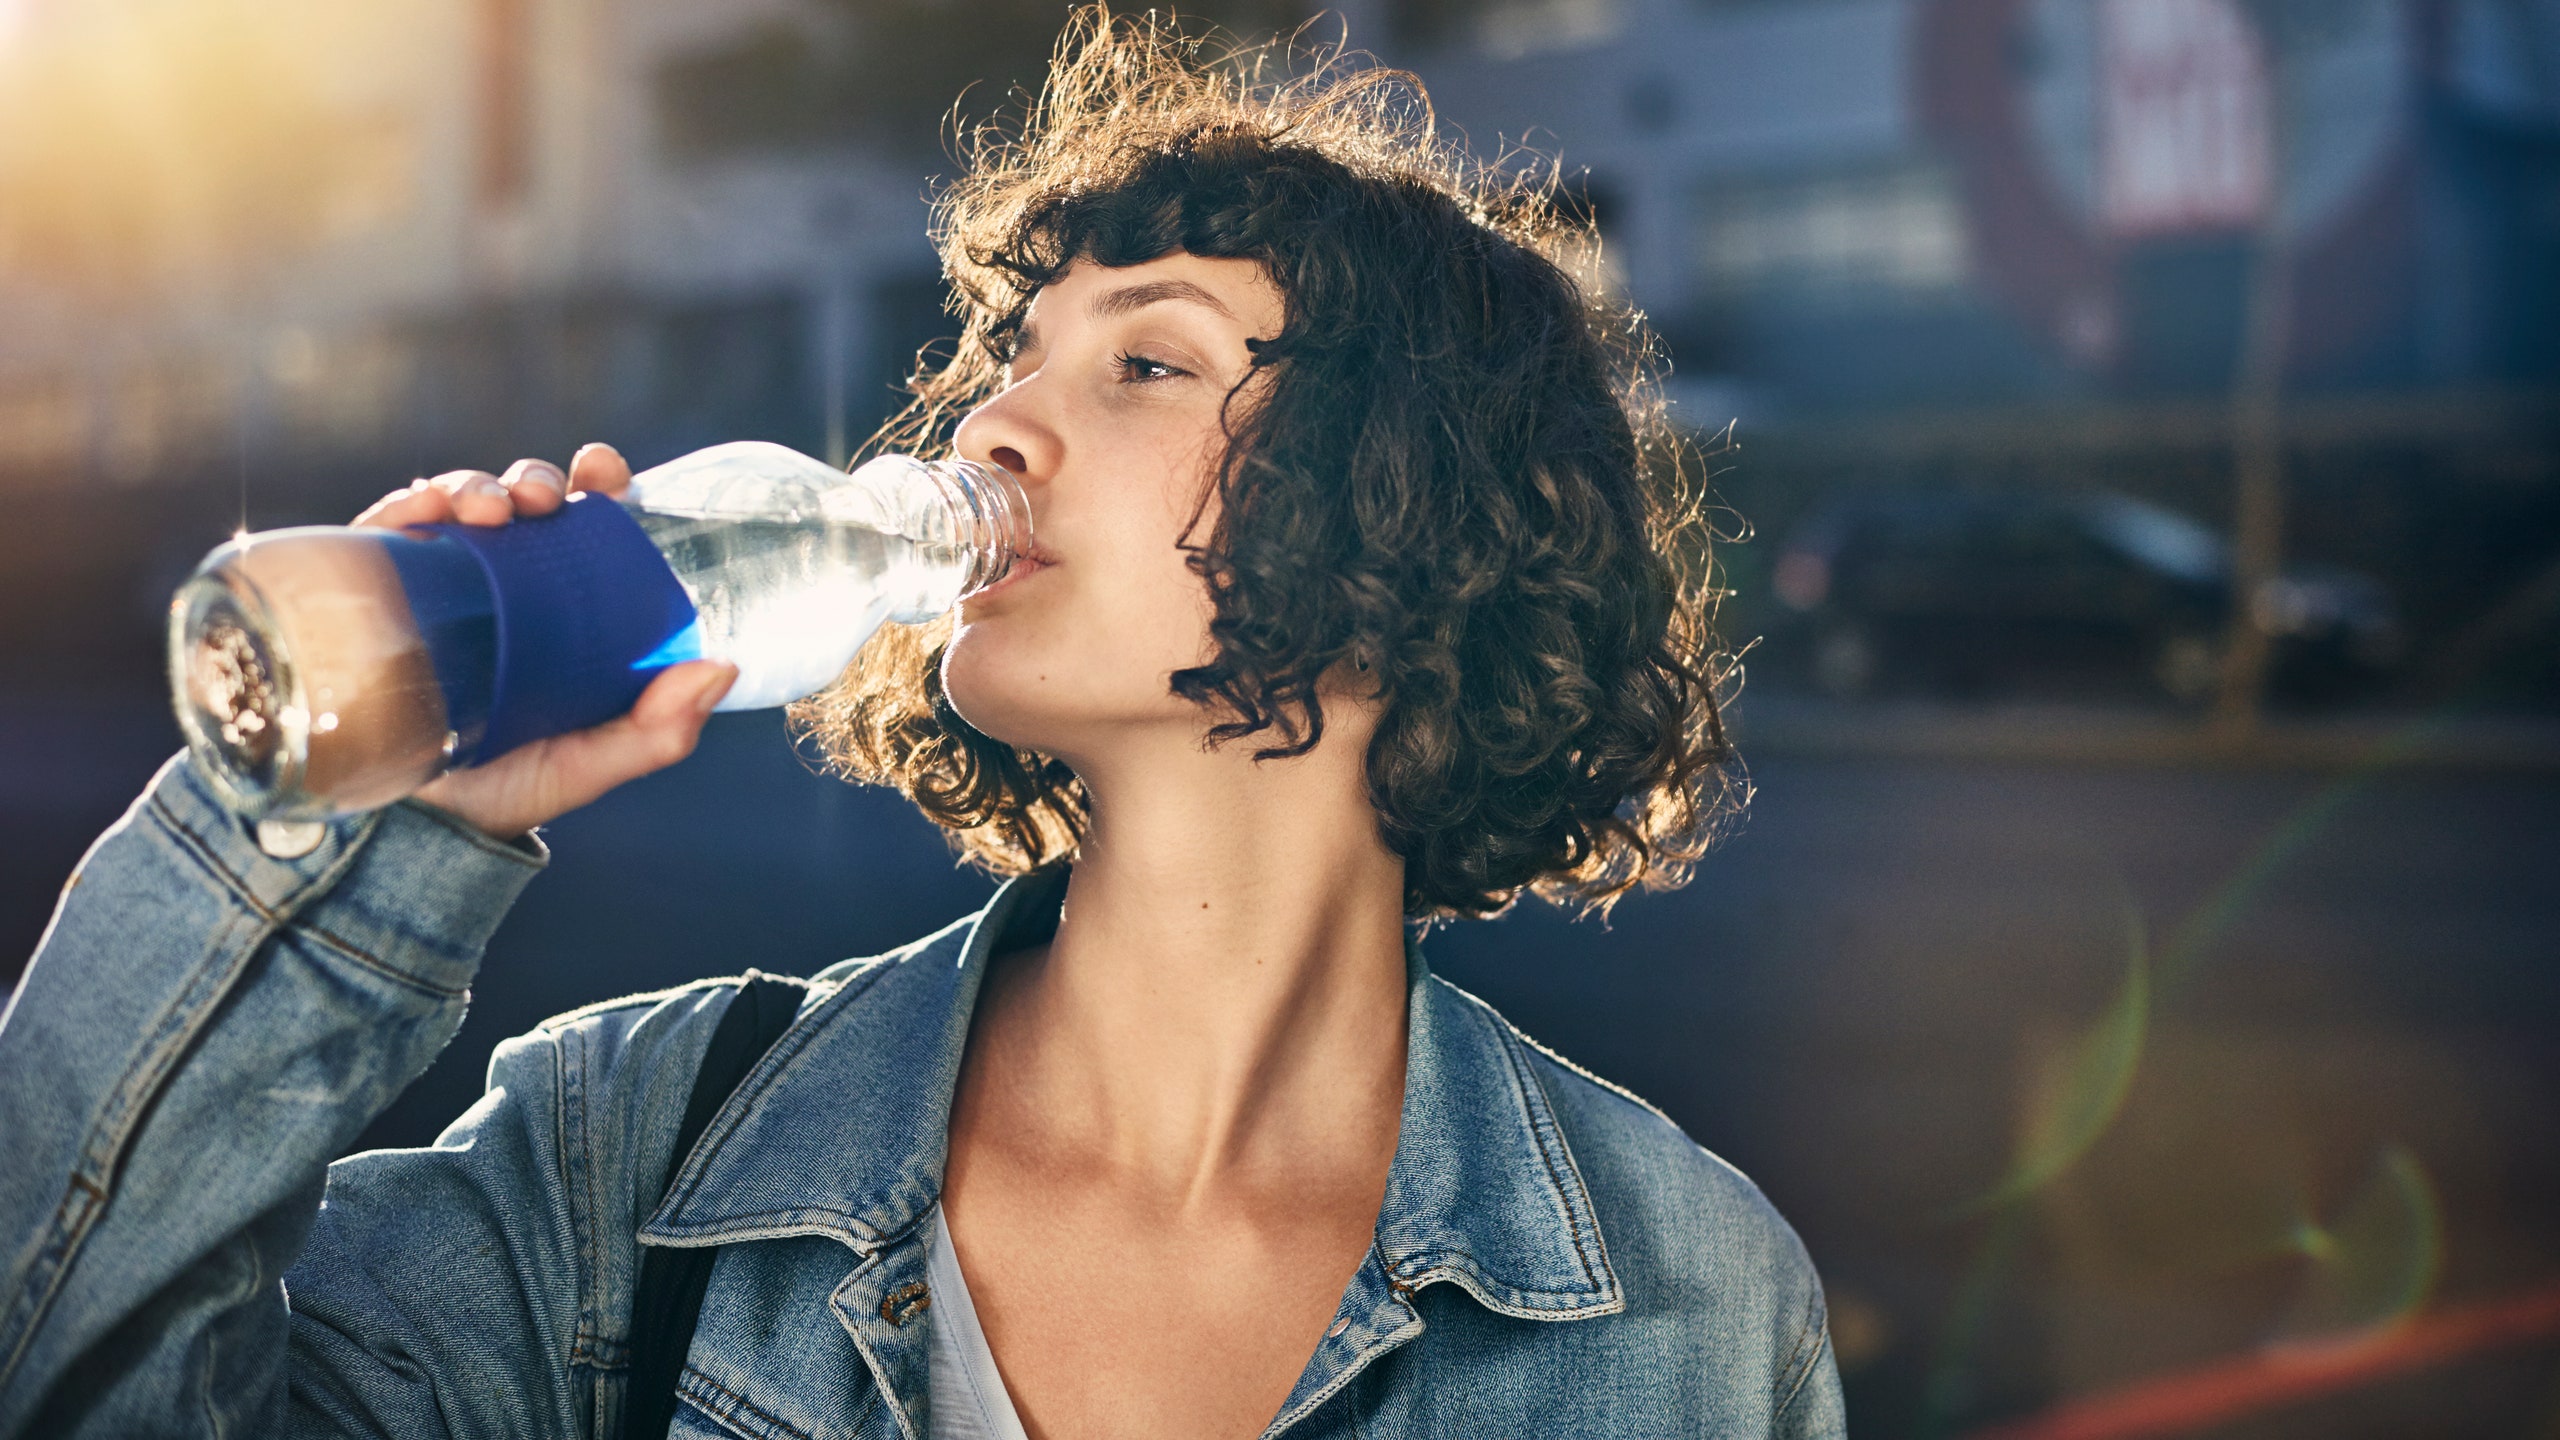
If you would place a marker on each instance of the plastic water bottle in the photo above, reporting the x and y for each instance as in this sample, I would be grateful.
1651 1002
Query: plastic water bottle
326 670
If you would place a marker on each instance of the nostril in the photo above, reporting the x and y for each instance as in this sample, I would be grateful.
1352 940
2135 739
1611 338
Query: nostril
1009 458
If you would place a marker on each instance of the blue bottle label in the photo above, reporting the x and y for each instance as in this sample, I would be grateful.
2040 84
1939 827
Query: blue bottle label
586 613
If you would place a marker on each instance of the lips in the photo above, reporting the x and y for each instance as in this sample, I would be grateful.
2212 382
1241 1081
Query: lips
1029 563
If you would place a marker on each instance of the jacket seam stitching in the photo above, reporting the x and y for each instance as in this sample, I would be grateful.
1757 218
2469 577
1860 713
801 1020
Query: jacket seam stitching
1815 1328
1565 1062
577 1179
281 919
377 964
1369 1356
730 1228
1540 1136
727 1405
1470 1279
796 1037
91 1185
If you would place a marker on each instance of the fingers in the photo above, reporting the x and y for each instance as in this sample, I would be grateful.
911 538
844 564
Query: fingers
473 497
421 503
536 486
601 468
476 497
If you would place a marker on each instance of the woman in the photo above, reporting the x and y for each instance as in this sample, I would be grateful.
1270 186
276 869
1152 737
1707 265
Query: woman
1359 602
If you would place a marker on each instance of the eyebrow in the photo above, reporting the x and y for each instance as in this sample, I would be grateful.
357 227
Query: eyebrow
1126 299
1138 297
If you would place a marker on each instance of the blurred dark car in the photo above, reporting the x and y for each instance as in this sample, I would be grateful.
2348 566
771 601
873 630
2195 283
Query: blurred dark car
2045 590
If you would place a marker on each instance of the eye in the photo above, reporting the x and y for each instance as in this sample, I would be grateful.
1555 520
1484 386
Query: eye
1139 370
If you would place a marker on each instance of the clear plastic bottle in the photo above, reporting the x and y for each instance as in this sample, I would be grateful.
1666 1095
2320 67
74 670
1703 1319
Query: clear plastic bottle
332 669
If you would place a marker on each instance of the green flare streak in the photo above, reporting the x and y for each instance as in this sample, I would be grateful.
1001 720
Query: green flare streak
2107 1044
2071 1117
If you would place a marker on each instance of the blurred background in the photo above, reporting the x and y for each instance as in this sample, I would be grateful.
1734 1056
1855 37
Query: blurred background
2141 435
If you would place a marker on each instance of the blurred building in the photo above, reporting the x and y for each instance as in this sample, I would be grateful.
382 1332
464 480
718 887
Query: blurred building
303 250
411 227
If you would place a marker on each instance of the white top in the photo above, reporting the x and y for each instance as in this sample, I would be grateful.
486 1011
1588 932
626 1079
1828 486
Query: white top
968 1399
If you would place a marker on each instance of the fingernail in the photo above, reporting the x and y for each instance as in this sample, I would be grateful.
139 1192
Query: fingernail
482 485
543 472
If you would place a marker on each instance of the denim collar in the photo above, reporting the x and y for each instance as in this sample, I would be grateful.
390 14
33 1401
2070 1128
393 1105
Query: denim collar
841 1131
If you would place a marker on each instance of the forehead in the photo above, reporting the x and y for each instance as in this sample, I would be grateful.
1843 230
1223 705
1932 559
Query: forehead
1226 291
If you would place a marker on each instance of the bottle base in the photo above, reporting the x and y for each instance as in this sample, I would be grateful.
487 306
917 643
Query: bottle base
239 703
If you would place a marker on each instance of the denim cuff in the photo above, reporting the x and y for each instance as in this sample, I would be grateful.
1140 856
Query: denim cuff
407 887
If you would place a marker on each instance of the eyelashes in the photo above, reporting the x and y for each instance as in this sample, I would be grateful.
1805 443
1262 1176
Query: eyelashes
1006 346
1130 366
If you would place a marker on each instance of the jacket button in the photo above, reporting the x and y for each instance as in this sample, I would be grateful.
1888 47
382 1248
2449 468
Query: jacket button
290 839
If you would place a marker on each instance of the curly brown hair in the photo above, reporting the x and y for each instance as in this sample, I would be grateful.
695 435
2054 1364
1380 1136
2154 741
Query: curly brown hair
1459 475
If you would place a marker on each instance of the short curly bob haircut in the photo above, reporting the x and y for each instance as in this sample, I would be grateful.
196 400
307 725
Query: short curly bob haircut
1459 476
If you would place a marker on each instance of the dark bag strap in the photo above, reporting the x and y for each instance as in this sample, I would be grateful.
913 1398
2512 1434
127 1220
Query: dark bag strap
668 1304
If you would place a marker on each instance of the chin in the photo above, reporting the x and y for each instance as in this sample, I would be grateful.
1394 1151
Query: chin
1051 699
985 697
1015 693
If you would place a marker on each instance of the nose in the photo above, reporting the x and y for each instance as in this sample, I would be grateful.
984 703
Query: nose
1009 431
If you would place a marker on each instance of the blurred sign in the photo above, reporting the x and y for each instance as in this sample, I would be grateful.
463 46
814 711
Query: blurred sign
2119 157
2182 117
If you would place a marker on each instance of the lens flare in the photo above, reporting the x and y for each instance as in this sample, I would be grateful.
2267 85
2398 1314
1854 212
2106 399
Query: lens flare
2374 1264
2084 1093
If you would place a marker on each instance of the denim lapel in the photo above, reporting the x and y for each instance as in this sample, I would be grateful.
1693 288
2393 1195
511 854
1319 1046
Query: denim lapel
1483 1194
842 1129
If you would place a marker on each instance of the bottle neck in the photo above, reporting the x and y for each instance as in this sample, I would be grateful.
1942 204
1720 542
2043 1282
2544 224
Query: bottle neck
993 515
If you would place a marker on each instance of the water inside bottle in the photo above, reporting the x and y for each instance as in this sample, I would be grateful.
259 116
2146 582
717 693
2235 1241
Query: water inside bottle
793 563
787 601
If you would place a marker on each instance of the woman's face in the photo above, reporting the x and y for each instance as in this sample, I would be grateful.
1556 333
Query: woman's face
1110 418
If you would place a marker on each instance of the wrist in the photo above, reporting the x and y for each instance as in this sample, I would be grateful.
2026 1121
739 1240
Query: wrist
451 803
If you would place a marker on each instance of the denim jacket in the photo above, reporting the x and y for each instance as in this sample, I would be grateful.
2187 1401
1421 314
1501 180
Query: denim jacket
206 1023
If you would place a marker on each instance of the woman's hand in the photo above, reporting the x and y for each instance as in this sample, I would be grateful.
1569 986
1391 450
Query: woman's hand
539 782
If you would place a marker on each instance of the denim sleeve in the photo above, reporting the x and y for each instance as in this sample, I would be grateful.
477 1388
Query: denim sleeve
442 1293
202 1028
1809 1406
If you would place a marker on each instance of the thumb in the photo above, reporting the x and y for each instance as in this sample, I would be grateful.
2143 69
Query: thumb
661 729
677 703
548 778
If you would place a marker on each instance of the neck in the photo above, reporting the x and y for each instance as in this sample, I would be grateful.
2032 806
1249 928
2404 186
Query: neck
1226 989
